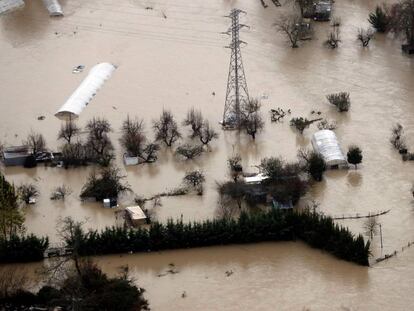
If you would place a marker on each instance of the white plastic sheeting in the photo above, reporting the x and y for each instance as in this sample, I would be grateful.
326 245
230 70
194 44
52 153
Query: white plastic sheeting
326 144
7 6
86 91
53 7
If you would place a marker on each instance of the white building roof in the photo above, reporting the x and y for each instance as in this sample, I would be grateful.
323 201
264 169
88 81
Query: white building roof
255 179
326 144
54 8
135 212
86 91
7 6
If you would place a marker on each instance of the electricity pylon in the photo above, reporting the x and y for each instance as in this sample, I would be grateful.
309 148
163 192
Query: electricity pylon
237 93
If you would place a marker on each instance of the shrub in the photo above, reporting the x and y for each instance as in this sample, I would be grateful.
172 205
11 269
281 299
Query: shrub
364 36
189 151
340 100
379 19
354 155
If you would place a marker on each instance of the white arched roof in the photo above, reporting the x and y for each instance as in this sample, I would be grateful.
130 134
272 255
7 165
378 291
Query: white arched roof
54 8
86 91
326 144
7 6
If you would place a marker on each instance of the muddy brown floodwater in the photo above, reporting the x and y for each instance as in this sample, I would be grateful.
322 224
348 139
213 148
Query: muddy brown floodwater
178 62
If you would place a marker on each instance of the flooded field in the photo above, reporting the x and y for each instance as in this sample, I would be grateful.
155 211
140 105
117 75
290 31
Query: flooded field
173 57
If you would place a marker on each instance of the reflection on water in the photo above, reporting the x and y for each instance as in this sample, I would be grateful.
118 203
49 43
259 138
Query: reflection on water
176 63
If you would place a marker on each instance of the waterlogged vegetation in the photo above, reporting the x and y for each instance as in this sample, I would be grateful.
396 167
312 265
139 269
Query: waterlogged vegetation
317 230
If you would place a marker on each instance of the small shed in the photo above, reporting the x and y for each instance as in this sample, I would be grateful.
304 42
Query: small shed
136 215
86 91
53 7
16 156
326 144
7 6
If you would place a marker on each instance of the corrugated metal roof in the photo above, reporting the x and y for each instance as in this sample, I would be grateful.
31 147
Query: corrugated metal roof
135 212
86 91
326 144
54 8
7 6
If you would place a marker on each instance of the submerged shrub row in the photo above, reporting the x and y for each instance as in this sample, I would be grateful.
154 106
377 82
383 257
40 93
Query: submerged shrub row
22 249
316 230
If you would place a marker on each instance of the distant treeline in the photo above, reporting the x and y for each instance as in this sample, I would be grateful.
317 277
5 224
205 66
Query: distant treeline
22 249
316 230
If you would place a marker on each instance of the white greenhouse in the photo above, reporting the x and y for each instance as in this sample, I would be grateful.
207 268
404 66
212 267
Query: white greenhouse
7 6
54 8
86 91
326 144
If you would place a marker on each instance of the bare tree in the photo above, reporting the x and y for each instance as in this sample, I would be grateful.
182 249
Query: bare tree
334 36
398 138
166 128
232 192
365 35
289 25
26 192
68 130
371 227
189 151
98 140
195 179
235 166
207 133
194 119
252 121
132 138
36 142
12 280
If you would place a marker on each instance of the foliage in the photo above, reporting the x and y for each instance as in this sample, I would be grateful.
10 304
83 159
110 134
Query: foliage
354 155
27 191
189 151
379 19
313 163
277 169
364 36
60 193
398 138
166 128
300 123
108 184
402 20
22 248
92 290
341 100
232 191
317 230
68 130
11 217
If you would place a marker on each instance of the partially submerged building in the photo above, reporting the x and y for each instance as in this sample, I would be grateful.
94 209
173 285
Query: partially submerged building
136 215
16 156
326 144
322 10
86 91
54 8
7 6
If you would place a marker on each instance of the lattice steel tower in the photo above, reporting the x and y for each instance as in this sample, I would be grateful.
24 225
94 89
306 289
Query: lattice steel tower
237 93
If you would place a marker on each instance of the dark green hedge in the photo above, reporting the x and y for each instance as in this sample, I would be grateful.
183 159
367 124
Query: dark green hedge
23 249
316 230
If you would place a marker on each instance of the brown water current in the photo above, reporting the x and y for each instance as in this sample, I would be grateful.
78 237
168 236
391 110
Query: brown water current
178 62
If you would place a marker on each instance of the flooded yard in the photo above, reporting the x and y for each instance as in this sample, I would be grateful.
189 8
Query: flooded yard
173 56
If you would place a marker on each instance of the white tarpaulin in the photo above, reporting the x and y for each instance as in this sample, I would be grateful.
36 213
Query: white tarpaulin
86 91
53 7
7 6
326 144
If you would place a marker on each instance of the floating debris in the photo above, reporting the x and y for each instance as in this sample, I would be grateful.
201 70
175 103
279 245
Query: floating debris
184 294
228 273
41 118
78 69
